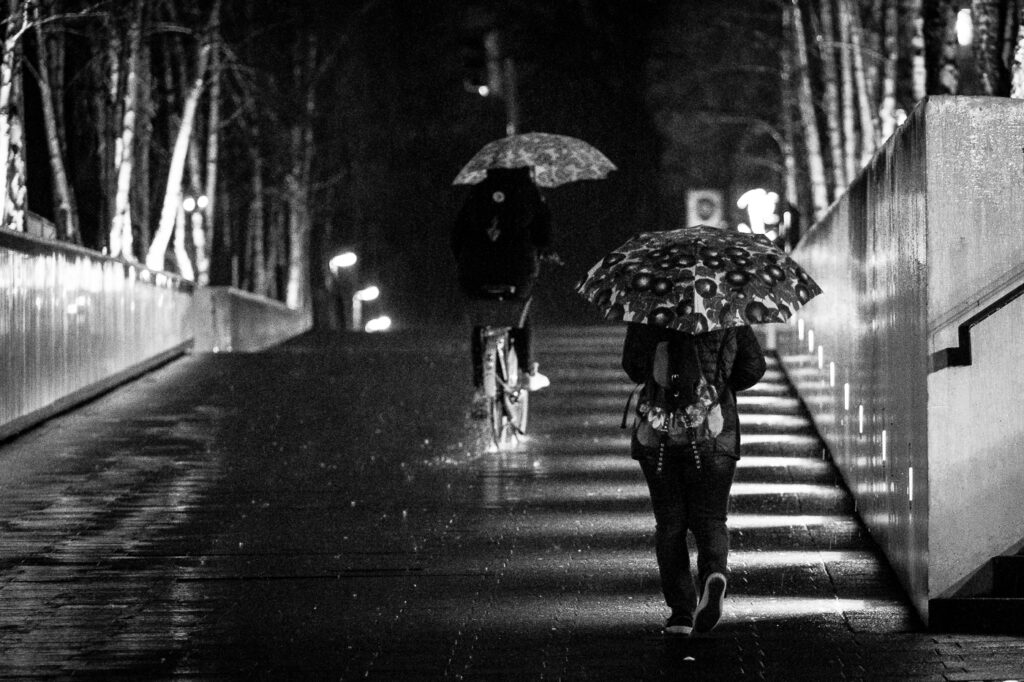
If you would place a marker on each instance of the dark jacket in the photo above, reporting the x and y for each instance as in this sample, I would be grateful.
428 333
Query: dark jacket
500 232
742 366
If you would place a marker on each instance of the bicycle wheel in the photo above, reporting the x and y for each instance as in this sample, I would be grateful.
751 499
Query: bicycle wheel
509 408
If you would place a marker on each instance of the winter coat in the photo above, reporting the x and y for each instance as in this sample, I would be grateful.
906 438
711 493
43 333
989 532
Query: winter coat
743 365
498 235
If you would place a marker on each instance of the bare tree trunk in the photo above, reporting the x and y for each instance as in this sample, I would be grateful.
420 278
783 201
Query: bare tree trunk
298 186
172 197
987 15
940 46
830 80
788 153
121 227
912 23
204 239
1017 71
864 86
257 228
66 208
180 249
12 195
66 218
805 98
887 112
848 93
142 185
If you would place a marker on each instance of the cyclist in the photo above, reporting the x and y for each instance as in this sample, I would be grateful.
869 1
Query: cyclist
500 235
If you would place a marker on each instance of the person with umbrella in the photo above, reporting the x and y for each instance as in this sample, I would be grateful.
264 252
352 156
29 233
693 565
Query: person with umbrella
499 237
503 230
688 297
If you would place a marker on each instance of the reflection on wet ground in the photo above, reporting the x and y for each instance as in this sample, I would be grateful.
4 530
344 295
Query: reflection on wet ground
328 510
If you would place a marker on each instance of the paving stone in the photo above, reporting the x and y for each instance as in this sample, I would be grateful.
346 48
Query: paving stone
329 510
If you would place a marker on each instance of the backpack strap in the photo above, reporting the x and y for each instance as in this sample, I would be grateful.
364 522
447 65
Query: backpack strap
629 400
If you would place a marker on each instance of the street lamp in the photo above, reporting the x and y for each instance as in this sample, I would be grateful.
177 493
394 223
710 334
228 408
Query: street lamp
370 293
345 259
379 324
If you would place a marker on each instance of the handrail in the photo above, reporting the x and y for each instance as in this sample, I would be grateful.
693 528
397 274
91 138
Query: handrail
960 355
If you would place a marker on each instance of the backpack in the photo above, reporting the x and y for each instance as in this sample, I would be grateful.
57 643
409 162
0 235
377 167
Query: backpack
677 404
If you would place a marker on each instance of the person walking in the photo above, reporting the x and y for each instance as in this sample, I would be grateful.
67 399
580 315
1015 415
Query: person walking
689 471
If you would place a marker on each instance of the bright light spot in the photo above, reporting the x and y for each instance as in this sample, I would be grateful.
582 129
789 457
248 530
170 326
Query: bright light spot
860 418
379 324
831 374
202 202
910 484
846 396
769 462
810 340
483 91
783 520
188 203
370 293
885 436
743 227
821 357
964 28
343 260
800 329
761 206
805 489
772 235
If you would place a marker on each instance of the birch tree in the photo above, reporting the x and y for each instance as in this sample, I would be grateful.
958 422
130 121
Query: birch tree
66 209
156 256
848 94
863 82
830 81
988 43
299 180
805 100
940 47
120 241
890 33
12 196
1017 68
203 232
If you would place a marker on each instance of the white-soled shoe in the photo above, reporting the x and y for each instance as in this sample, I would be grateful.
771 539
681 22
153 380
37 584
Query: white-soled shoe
709 608
535 380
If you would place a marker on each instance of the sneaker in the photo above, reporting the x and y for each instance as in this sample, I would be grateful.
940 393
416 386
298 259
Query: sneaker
709 608
535 380
679 623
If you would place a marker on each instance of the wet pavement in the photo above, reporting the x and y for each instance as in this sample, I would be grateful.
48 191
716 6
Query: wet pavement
329 510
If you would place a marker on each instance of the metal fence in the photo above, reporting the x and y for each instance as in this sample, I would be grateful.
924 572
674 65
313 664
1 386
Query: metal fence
73 322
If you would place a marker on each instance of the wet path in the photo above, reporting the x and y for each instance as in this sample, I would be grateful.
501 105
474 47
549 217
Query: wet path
329 511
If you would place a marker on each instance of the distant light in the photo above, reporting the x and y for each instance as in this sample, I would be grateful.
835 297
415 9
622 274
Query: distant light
761 206
772 235
189 204
743 227
343 260
379 324
202 202
964 28
370 293
483 91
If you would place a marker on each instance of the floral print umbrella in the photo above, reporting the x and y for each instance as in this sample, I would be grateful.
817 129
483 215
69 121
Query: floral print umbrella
696 279
555 159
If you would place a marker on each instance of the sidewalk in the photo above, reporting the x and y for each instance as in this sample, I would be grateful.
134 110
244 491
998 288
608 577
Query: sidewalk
328 510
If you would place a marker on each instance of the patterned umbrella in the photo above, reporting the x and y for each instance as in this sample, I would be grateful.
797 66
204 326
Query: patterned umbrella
696 279
556 159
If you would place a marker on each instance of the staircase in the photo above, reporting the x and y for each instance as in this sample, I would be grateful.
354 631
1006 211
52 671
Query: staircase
992 602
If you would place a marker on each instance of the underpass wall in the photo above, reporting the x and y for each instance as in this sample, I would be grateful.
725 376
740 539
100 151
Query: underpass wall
928 460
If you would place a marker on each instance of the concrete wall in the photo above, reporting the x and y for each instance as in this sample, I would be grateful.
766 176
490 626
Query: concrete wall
920 241
74 323
228 319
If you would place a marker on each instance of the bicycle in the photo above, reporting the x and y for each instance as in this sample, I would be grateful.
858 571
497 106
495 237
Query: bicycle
505 381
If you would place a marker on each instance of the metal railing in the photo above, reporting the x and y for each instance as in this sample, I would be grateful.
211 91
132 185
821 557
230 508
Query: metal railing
73 321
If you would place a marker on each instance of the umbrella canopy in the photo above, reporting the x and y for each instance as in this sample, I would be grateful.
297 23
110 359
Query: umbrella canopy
555 159
697 279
